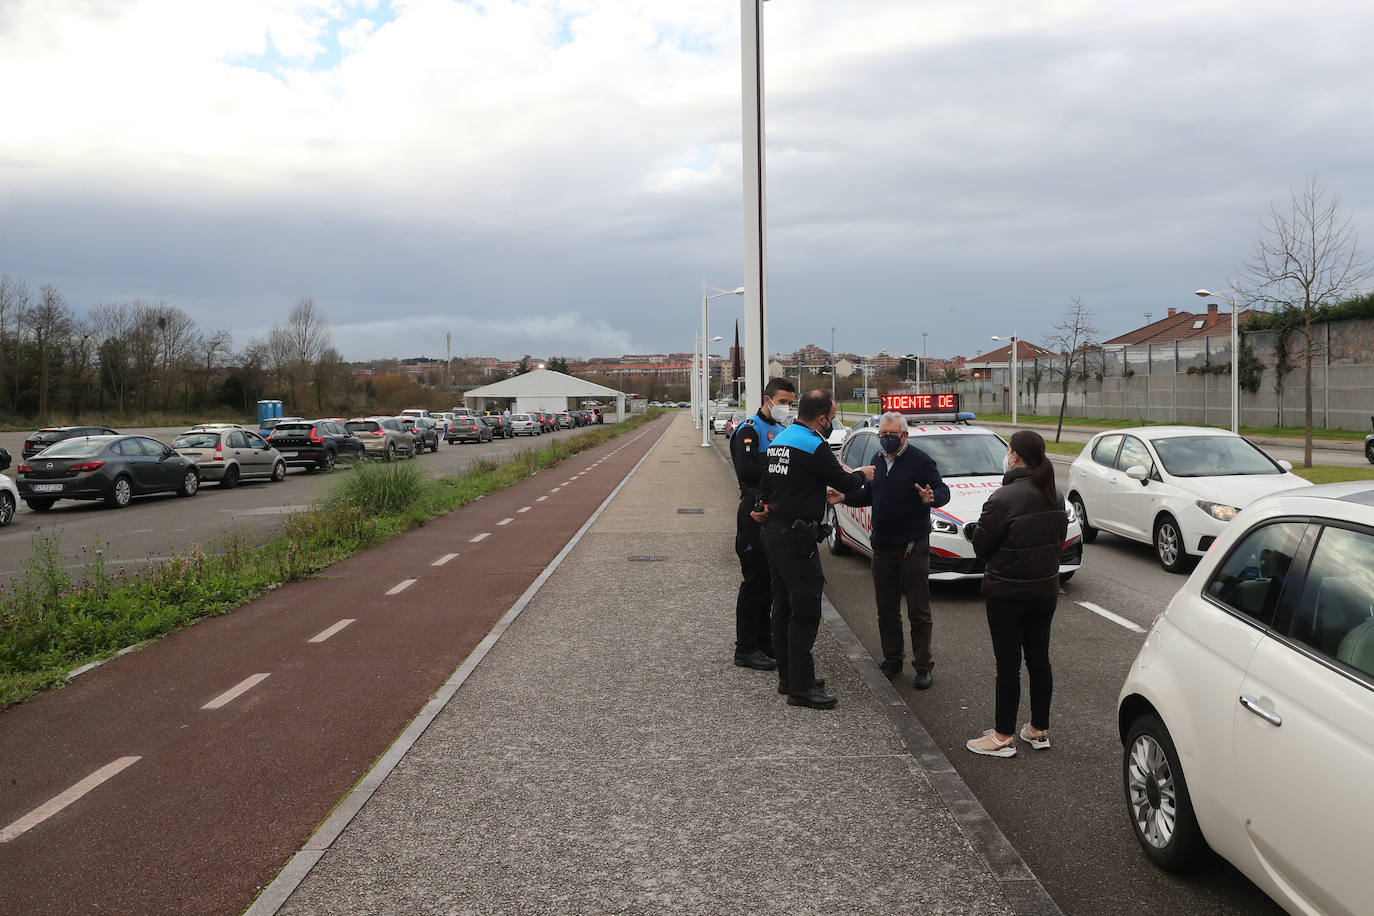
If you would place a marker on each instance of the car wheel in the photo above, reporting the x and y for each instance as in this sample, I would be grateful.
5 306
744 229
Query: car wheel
1157 799
230 478
279 472
120 494
39 505
329 463
435 446
1369 451
6 509
1089 532
189 484
1169 545
391 452
837 545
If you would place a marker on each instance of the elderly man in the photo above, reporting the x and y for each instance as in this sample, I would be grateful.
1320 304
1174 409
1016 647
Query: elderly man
906 485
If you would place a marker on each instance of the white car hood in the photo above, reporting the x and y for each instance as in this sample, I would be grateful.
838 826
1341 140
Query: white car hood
967 495
1239 490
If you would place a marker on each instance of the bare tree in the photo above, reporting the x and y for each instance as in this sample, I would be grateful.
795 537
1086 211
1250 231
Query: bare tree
51 320
302 344
1303 259
1071 334
14 307
113 326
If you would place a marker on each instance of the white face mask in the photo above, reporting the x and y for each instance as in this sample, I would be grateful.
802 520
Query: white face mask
781 414
1006 464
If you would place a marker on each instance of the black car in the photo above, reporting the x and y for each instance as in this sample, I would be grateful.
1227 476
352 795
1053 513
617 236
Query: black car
467 429
112 468
316 445
425 432
500 426
52 434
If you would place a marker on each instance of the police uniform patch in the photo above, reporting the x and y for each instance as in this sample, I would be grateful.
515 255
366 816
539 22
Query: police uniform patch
772 435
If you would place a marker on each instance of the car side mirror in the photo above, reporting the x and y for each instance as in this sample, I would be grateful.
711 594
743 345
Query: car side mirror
1136 472
1286 465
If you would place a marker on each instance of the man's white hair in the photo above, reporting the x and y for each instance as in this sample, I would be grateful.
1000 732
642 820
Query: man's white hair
891 417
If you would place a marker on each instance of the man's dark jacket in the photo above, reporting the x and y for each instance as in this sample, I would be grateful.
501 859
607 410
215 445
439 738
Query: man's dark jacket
1020 536
900 516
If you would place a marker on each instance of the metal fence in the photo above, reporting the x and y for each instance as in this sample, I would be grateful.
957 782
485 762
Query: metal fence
1189 382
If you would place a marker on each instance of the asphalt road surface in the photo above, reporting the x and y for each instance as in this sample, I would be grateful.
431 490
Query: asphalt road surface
156 527
179 778
1063 808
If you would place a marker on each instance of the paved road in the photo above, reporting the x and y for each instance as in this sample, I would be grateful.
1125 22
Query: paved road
210 756
164 525
1062 809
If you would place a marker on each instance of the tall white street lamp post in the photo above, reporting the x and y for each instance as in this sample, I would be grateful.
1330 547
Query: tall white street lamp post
1014 347
694 380
755 222
707 294
1235 355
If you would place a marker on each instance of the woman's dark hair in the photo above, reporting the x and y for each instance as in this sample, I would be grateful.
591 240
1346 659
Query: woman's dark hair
1031 447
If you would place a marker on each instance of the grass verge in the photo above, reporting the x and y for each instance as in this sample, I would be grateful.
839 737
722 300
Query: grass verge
53 620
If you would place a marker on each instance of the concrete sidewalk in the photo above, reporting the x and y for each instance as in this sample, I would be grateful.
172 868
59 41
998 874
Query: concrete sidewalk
607 757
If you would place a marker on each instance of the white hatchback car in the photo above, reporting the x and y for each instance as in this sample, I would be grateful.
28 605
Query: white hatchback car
1175 487
970 463
1247 718
9 492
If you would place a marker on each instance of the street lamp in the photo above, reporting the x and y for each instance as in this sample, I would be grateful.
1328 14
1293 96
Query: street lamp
1014 347
1235 355
706 297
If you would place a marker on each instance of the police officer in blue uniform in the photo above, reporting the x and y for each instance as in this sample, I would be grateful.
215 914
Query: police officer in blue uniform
753 606
800 465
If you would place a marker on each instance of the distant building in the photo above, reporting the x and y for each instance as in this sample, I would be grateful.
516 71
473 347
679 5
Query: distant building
995 365
1178 325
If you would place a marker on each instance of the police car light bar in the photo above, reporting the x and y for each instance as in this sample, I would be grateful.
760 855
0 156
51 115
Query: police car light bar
920 404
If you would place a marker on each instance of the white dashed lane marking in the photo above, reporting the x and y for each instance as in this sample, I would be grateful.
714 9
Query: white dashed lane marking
504 521
481 537
528 508
325 634
238 690
556 489
58 802
541 499
400 587
1103 612
449 556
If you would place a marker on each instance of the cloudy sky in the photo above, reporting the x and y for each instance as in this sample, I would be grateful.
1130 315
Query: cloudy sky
557 176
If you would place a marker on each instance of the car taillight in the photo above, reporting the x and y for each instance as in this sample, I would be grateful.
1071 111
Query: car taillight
88 466
219 451
314 436
23 469
379 432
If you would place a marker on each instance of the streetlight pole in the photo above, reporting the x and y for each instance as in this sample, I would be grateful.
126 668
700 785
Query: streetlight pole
755 222
925 353
706 350
1015 345
694 380
1235 355
832 363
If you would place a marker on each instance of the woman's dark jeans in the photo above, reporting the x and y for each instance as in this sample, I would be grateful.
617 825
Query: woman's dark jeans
1021 627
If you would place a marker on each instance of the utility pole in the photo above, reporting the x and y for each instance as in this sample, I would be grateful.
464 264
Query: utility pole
832 362
448 361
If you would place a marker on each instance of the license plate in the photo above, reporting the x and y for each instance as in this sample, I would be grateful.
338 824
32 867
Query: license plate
289 454
47 488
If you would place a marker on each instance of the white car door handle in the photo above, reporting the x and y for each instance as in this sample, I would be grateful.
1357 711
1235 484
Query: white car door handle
1253 705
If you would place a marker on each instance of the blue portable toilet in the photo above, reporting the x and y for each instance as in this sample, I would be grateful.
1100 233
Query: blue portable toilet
268 410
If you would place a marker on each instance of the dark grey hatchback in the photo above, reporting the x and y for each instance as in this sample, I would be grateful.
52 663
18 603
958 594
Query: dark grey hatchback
112 468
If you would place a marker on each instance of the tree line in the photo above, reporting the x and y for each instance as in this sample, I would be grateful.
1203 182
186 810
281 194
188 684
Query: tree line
140 357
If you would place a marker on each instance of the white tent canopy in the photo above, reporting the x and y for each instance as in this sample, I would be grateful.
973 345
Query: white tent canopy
544 389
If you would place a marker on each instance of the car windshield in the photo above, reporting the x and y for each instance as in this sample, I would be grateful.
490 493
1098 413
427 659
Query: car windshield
292 427
1212 456
75 448
963 455
366 426
521 416
196 440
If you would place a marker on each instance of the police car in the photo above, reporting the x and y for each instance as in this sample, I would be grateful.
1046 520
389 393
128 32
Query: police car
970 462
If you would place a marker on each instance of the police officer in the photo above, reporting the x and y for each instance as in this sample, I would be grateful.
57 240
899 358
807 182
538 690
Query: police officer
800 465
753 606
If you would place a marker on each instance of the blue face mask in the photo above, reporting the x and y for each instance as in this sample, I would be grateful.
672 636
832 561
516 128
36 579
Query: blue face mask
891 444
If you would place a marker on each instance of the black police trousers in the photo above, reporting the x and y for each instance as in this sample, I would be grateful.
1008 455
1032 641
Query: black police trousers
754 604
797 582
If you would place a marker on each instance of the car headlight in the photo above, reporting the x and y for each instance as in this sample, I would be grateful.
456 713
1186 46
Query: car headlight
942 526
1217 510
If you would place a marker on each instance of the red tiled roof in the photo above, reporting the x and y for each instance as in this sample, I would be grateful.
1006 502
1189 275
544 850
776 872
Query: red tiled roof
1180 326
1024 349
